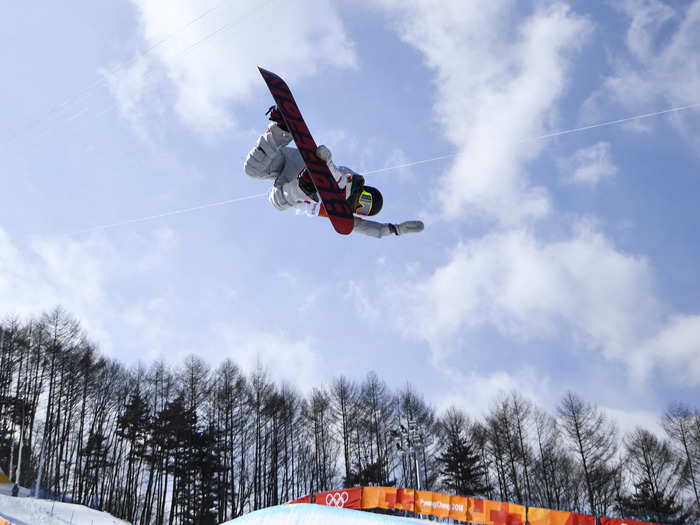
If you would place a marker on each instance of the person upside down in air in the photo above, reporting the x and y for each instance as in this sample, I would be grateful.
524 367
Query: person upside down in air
293 187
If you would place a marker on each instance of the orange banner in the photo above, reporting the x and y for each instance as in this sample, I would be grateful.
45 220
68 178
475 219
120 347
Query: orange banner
379 498
404 499
537 516
423 502
487 512
441 505
305 499
460 508
432 503
615 521
346 498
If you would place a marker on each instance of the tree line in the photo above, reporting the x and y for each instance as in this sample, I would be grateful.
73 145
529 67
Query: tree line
195 444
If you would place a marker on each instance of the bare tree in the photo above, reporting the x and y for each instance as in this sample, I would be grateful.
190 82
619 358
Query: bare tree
593 438
319 414
260 391
555 483
376 418
682 425
653 469
344 394
508 424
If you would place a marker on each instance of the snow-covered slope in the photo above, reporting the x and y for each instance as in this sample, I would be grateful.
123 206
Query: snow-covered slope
31 511
316 515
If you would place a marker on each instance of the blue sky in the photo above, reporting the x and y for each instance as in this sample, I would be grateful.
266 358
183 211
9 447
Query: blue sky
546 264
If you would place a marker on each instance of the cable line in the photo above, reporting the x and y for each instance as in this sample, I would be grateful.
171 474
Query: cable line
550 135
380 170
58 111
167 214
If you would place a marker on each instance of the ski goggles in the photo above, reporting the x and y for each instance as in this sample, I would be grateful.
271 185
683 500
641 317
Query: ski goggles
364 203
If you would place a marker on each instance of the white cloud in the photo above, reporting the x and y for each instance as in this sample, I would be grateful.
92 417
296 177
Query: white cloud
80 275
291 360
496 86
46 273
628 420
677 347
129 86
366 309
213 61
580 290
77 274
647 18
588 166
474 392
661 64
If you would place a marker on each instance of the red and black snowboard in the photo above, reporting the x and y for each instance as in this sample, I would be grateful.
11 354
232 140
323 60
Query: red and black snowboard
332 197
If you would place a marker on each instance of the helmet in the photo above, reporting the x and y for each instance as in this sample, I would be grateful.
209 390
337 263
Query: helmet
369 202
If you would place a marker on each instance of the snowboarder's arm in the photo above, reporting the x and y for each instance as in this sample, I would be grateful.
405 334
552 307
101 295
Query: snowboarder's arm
379 230
262 161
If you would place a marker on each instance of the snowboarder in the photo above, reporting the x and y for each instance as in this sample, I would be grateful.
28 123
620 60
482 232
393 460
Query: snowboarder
272 159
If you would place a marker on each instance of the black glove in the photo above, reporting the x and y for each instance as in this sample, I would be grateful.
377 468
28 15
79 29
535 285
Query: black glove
276 116
306 184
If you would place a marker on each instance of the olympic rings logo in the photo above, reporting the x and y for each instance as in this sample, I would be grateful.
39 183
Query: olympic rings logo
337 499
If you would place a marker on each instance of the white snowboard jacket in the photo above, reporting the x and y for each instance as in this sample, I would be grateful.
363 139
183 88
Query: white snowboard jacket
272 159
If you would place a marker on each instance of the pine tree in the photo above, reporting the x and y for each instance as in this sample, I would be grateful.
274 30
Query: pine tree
461 465
462 469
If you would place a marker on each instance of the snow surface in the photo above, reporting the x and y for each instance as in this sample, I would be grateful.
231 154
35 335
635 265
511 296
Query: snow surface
32 511
307 514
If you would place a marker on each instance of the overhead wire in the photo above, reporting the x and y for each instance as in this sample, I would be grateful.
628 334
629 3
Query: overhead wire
60 109
399 166
167 214
192 46
548 135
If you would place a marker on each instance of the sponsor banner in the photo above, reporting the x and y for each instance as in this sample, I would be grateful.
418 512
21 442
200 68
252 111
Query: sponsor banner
460 508
487 512
305 499
346 498
616 521
404 499
423 502
432 503
537 516
441 505
379 497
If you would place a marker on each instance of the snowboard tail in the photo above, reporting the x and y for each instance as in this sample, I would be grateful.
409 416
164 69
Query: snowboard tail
332 197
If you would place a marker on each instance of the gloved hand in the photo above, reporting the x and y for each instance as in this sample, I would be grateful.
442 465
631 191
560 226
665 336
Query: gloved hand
276 116
306 184
406 227
323 153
